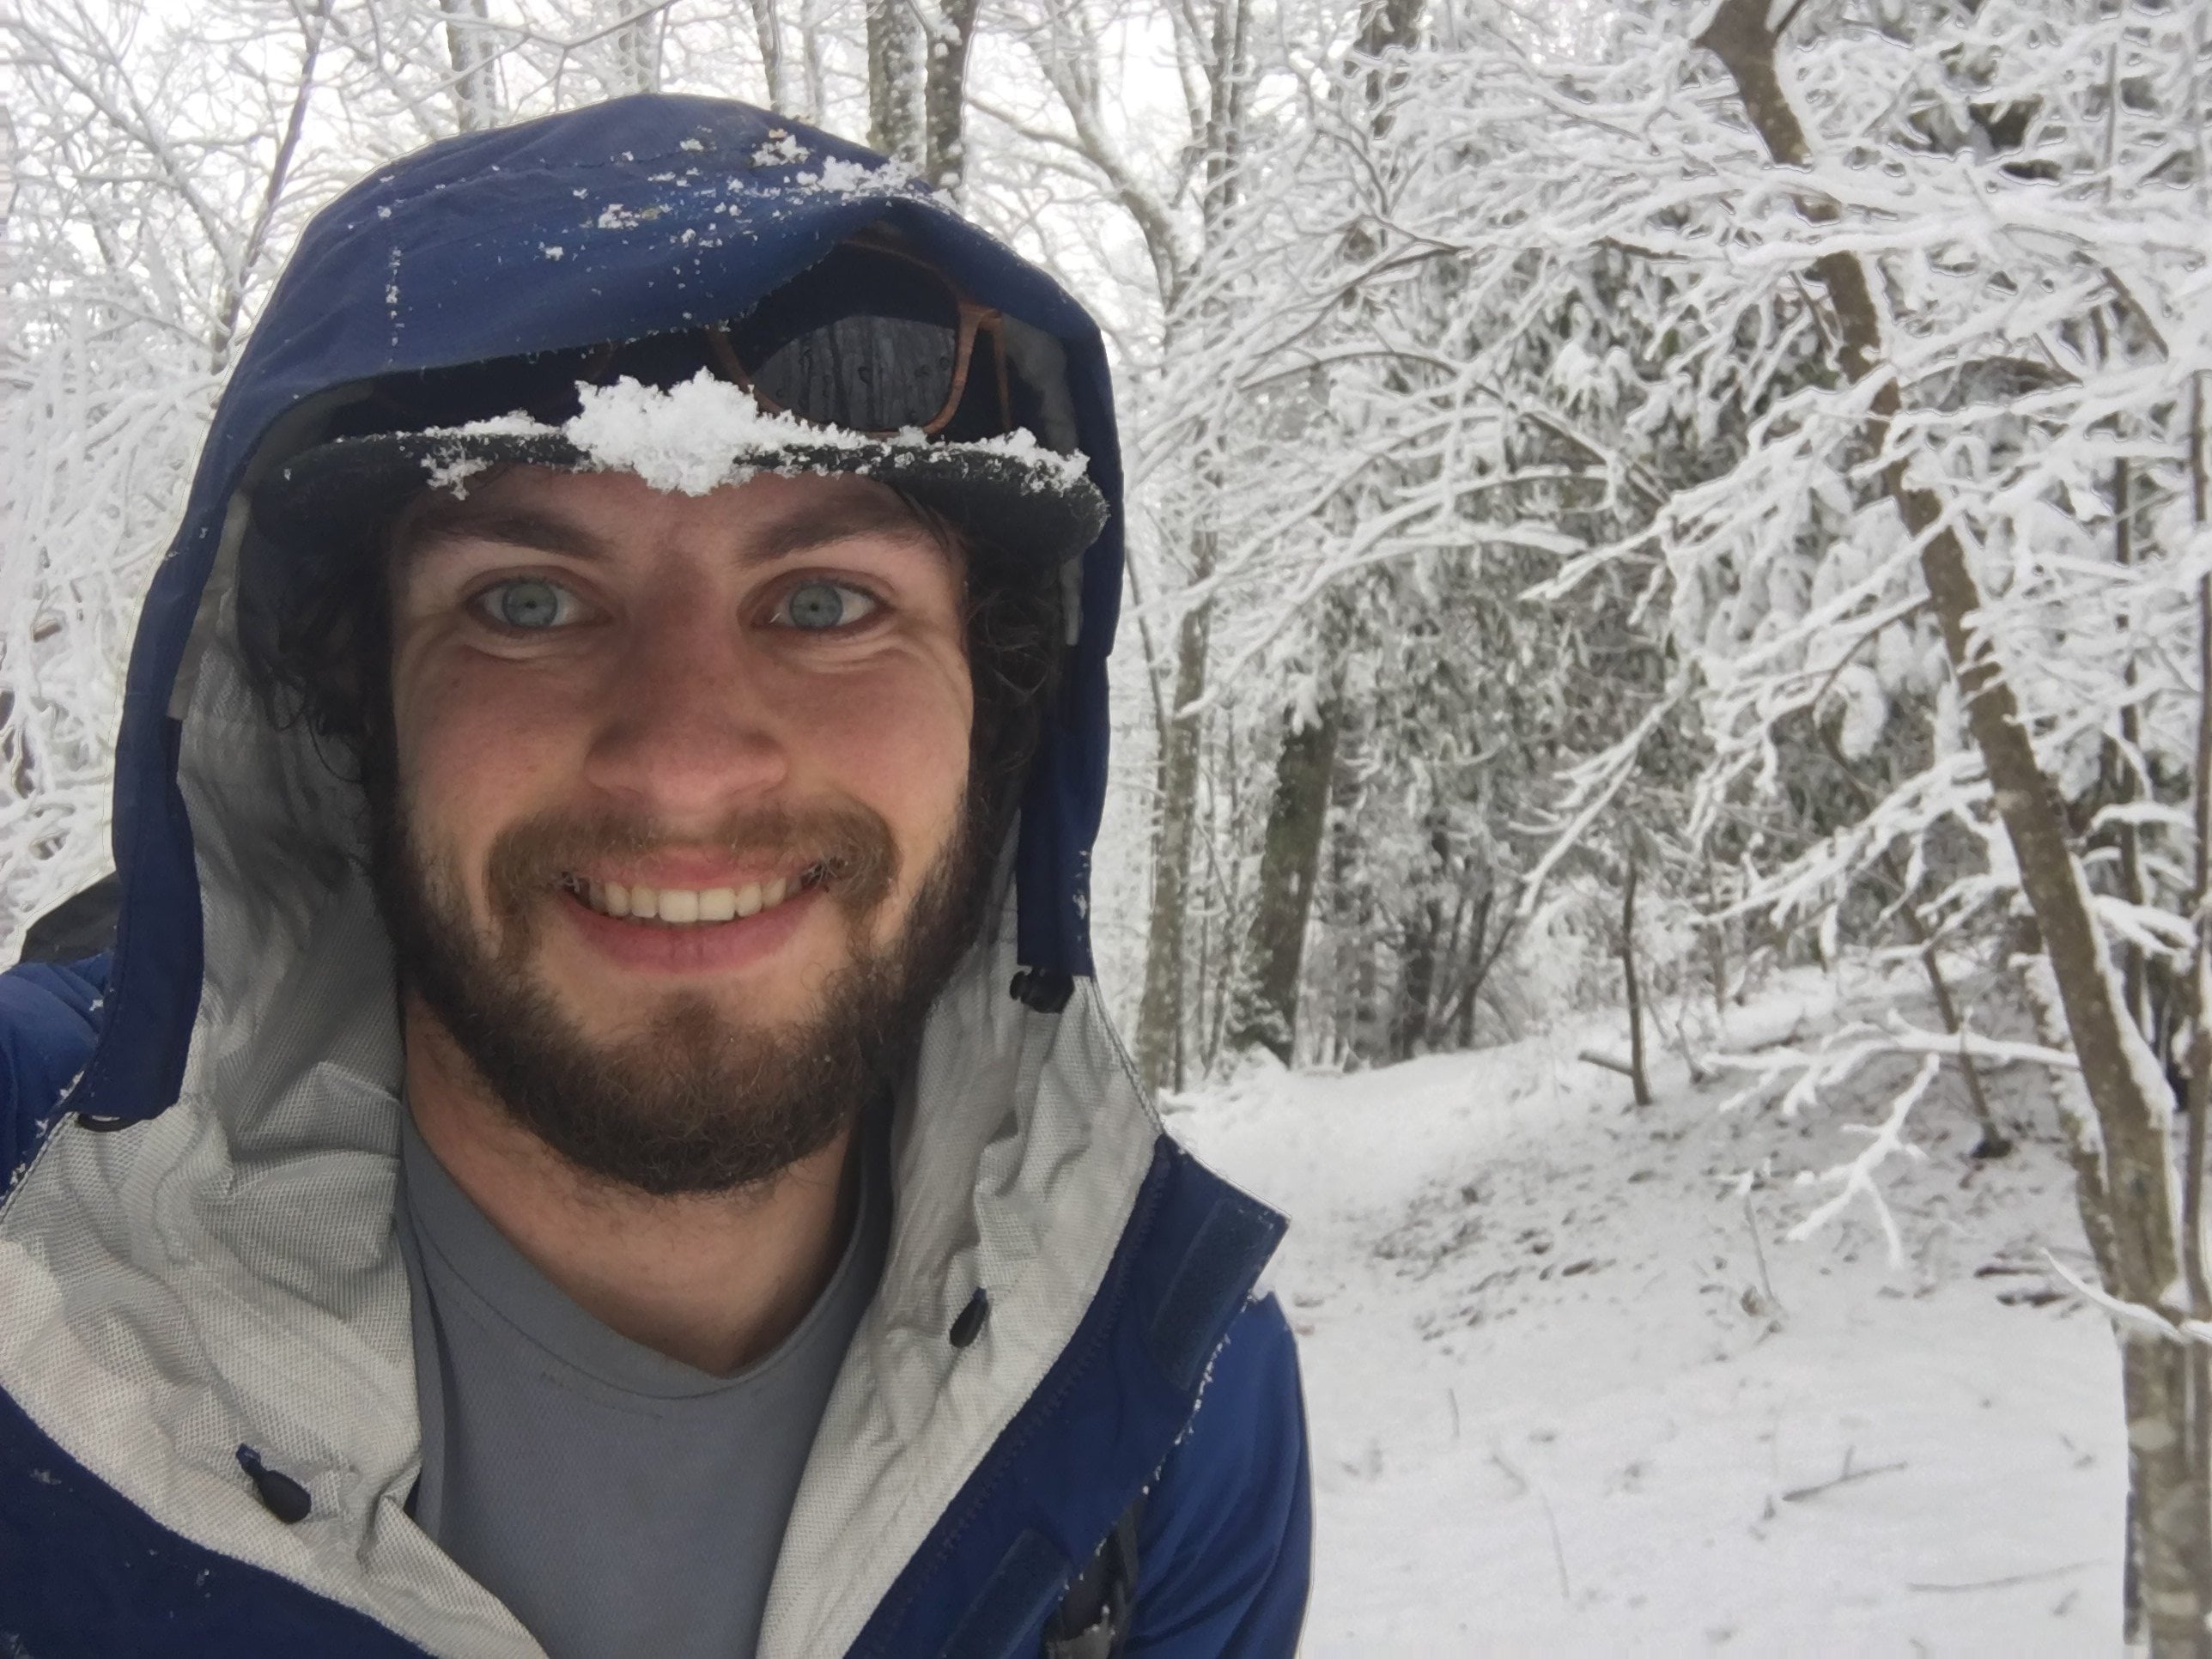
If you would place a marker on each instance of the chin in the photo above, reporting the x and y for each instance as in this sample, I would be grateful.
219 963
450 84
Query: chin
761 995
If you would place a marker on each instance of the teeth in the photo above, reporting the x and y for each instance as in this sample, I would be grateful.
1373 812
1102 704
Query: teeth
685 907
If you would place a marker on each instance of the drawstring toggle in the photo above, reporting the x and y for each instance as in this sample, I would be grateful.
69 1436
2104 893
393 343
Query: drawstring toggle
283 1497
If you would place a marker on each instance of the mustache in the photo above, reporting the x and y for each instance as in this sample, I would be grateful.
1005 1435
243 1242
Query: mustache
848 850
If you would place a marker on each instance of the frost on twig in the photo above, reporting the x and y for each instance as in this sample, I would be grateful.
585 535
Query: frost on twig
2133 1318
1810 1074
1854 1179
1838 1059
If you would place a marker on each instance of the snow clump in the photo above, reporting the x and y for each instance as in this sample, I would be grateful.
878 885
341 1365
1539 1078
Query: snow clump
781 149
843 177
682 440
453 472
703 432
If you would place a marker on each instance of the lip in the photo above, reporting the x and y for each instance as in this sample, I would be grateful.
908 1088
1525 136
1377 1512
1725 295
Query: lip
719 947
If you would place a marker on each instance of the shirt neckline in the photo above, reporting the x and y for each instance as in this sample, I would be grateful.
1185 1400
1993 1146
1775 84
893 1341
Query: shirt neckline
504 1288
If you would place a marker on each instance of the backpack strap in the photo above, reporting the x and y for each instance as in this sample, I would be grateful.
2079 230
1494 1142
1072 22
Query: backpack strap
1094 1615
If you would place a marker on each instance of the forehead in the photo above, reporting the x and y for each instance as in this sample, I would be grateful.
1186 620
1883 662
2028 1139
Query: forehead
619 516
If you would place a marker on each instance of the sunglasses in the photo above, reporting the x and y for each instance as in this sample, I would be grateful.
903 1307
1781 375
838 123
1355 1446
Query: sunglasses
874 341
871 339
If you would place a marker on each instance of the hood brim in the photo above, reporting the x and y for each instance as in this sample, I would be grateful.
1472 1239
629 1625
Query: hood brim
1025 503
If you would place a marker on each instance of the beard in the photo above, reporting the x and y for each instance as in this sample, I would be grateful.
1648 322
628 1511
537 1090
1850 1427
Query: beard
691 1098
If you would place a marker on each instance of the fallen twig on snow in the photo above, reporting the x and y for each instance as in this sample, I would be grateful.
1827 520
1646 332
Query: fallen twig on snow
1743 1186
1849 1474
1551 1521
1610 1063
1559 1550
2005 1583
1497 1457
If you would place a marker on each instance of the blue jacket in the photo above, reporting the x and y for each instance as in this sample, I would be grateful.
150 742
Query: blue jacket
198 1131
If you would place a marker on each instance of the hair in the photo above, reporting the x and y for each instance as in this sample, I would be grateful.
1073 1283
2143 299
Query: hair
315 633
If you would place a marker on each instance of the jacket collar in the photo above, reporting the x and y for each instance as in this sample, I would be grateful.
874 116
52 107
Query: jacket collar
226 1274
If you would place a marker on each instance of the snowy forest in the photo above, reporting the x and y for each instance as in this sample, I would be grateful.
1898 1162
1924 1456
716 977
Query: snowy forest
1644 513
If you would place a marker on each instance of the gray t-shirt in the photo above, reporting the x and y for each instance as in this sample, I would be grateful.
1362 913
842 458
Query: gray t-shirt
618 1501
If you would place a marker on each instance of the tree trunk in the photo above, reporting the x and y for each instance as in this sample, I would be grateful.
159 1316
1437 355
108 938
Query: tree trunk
1159 1015
1639 1079
313 21
1386 27
897 60
1354 923
767 29
944 92
1227 87
1484 948
468 39
811 34
2140 1260
2200 1057
1476 970
1298 815
1417 984
2127 786
1348 900
1994 1142
637 52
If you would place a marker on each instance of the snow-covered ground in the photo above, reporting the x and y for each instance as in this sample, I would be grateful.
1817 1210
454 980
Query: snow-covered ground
1554 1411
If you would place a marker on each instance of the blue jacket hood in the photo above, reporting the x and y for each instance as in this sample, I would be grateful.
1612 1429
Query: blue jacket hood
633 217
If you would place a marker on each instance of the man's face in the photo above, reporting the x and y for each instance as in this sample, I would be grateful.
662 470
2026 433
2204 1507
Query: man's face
675 852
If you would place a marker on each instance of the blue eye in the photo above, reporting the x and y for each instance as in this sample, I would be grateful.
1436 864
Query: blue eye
817 607
529 603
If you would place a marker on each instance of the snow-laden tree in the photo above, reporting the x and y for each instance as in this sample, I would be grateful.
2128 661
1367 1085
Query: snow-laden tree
2053 248
155 166
1405 430
1170 166
97 430
1746 458
1848 360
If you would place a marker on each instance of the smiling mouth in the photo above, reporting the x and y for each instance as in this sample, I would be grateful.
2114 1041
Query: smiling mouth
691 907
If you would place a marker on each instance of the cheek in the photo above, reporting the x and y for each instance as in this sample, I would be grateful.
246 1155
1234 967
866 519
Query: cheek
472 750
898 742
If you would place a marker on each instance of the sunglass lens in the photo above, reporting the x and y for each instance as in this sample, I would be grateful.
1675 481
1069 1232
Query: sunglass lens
865 339
866 374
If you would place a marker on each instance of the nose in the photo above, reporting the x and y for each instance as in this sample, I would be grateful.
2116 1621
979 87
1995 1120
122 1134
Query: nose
688 732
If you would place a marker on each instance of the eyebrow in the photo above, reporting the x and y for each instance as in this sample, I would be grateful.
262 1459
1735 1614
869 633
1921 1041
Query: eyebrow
865 515
509 528
445 524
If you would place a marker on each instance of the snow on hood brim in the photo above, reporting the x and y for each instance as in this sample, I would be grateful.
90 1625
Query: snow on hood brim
1013 493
